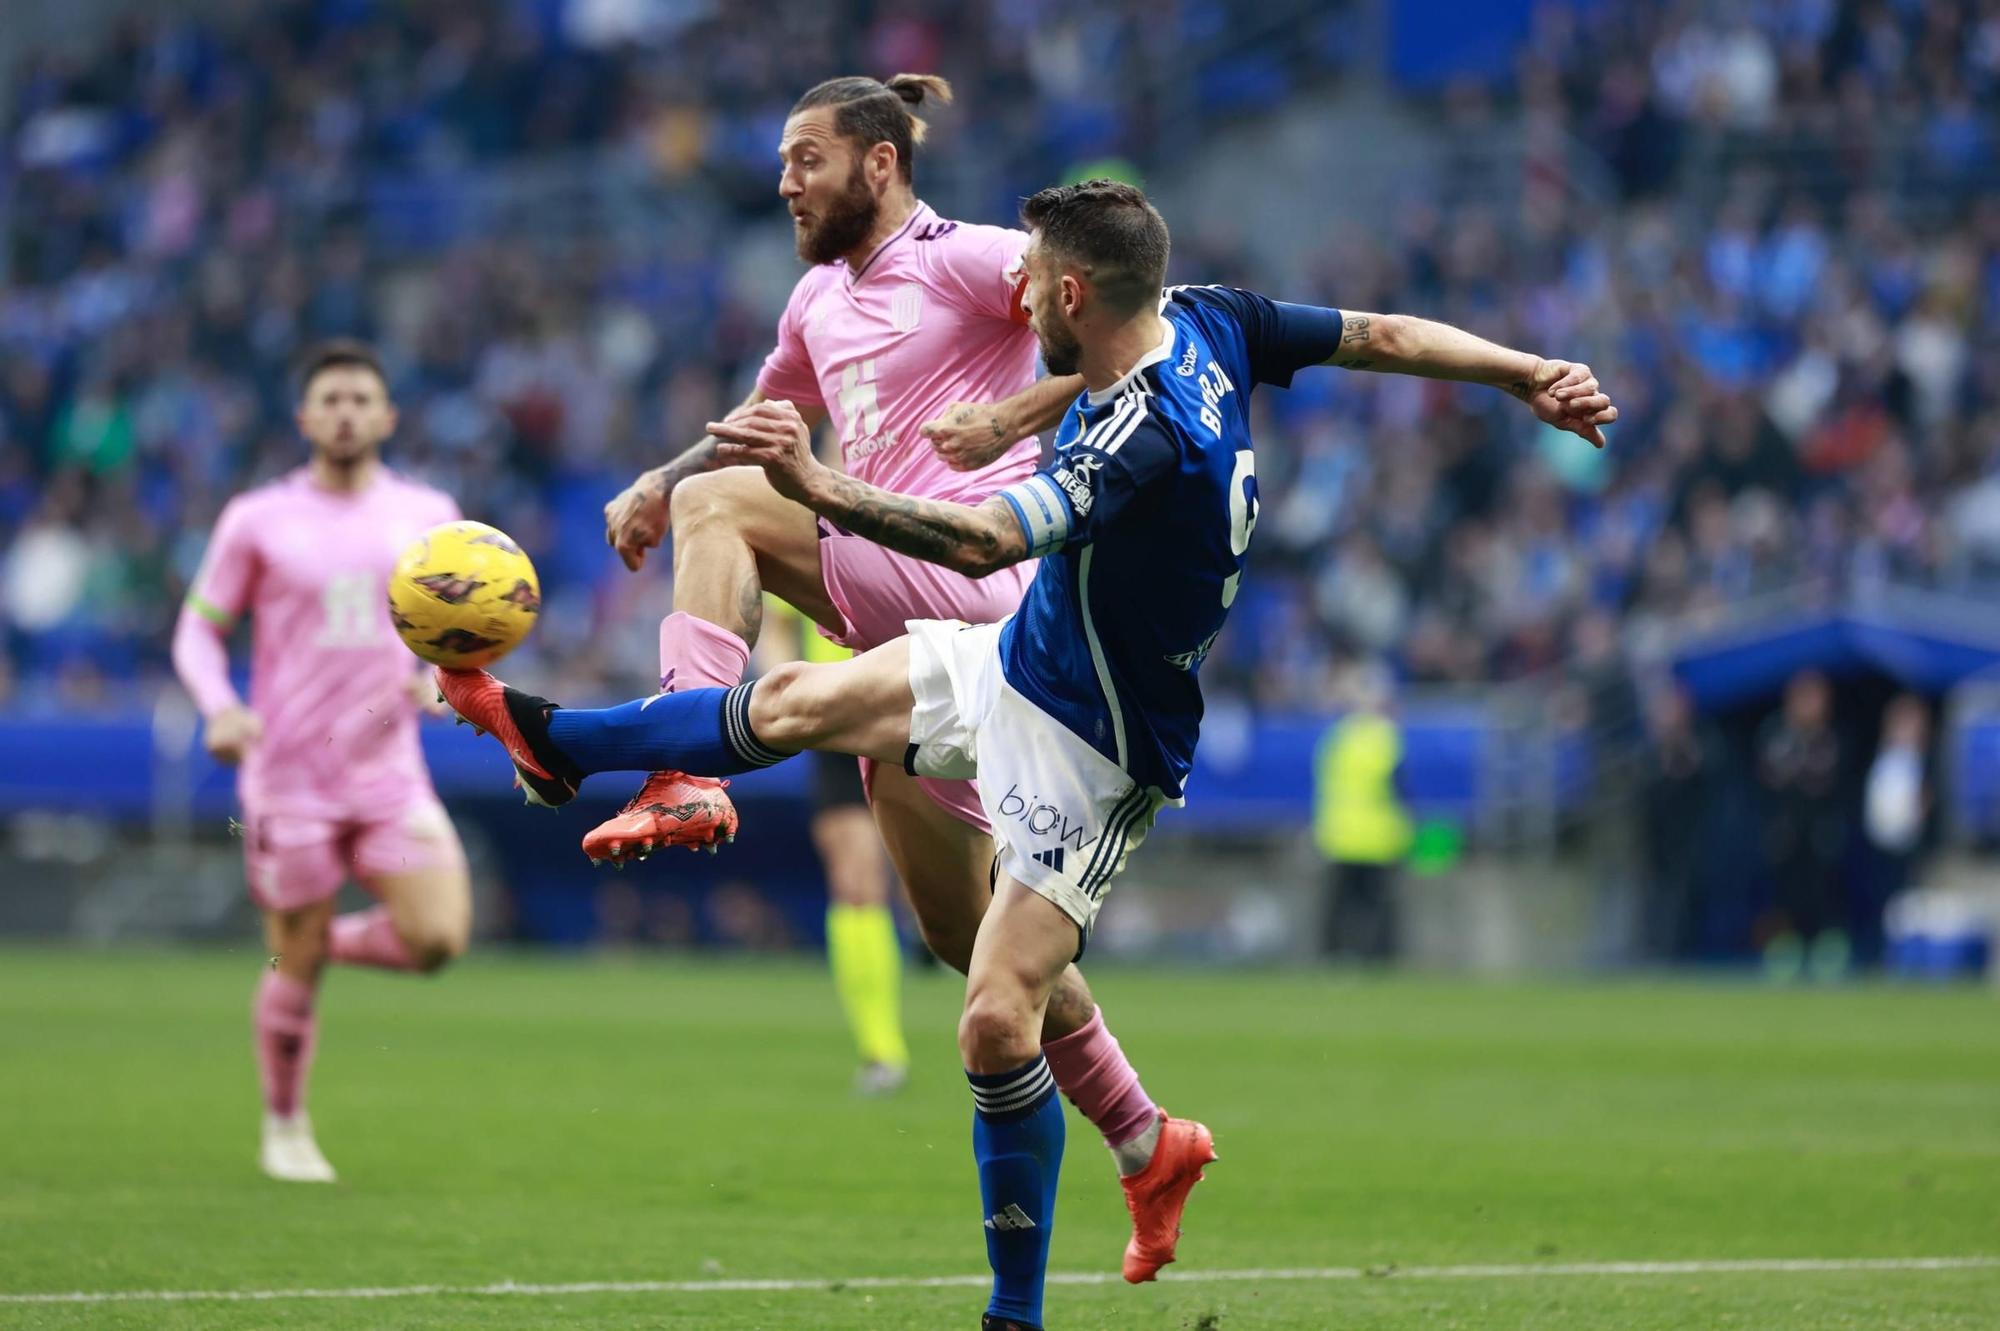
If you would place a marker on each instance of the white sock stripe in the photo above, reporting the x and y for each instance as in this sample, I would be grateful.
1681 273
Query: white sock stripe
1015 1093
1023 1073
1019 1100
1019 1091
736 729
1014 1090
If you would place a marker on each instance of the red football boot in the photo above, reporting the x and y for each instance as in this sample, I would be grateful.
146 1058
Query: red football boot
520 721
1157 1195
671 809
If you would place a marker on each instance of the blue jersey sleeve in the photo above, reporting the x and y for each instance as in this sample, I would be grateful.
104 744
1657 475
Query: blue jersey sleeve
1279 338
1084 489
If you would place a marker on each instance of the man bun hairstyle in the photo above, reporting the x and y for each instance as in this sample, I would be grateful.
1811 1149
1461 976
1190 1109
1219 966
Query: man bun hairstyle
872 112
338 353
1110 231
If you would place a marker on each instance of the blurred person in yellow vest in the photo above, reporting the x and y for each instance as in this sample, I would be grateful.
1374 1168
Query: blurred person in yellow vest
1359 819
862 948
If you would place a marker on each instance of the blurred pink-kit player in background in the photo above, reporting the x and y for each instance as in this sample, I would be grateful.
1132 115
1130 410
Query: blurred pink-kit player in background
331 777
903 322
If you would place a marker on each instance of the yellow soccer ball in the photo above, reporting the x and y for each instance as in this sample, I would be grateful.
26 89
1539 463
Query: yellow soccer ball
463 594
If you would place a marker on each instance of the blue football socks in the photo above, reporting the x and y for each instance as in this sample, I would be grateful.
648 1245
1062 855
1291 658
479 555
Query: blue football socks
703 731
1017 1138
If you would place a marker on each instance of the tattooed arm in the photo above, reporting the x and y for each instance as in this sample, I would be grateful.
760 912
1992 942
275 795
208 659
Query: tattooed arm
968 540
638 518
1565 394
968 435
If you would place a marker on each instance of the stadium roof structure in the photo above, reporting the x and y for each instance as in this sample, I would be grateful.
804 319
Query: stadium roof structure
1923 641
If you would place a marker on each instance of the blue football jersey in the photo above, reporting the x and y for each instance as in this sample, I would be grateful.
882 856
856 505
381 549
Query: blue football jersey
1143 518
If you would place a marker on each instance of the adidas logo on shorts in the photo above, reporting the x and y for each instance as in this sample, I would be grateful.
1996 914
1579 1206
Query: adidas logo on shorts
1051 858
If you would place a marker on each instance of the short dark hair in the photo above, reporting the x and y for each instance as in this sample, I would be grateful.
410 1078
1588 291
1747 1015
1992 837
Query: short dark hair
339 353
871 112
1109 230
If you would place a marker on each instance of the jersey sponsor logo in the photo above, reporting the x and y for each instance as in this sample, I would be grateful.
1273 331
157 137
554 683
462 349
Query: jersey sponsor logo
1043 819
1009 1218
1078 479
860 406
1189 660
1186 369
906 307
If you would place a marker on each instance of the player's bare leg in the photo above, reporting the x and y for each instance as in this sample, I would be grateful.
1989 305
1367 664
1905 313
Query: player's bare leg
1023 949
430 911
946 864
862 707
286 1032
734 539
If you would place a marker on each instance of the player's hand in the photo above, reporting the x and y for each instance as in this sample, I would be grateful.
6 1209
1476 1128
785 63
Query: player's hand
424 689
232 733
968 435
1565 394
638 519
771 435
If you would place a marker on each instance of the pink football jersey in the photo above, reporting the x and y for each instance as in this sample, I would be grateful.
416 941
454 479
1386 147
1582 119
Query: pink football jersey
932 318
329 678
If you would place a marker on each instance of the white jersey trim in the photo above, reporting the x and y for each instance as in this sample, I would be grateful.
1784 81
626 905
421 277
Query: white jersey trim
1097 653
1159 353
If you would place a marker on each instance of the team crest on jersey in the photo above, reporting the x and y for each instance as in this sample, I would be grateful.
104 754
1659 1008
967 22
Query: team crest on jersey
906 307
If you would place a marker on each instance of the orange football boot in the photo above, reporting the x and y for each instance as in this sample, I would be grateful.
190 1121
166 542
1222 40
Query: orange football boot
671 809
520 721
1157 1195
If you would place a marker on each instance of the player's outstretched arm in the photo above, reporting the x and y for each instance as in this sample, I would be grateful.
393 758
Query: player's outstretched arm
1562 393
969 435
637 520
968 540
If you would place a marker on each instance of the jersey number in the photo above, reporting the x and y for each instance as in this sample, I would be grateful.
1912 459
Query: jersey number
353 603
1242 517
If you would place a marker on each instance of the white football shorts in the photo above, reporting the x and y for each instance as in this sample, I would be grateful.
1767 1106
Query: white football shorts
1065 817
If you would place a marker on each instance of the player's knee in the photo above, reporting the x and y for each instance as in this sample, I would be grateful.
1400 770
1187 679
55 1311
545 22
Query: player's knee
998 1030
786 711
300 939
950 943
435 946
699 500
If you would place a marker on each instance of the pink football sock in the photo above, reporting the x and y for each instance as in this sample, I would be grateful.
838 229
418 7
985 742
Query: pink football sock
286 1031
695 654
1094 1073
369 938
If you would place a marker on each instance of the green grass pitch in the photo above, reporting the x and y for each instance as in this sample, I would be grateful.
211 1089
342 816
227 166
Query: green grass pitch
558 1121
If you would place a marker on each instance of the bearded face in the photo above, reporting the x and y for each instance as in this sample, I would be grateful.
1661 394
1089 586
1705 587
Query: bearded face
825 229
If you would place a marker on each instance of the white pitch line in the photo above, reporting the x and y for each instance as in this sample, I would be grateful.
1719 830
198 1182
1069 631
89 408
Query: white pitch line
1524 1271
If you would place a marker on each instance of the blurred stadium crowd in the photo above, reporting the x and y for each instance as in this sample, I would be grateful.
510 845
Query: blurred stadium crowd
1791 281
